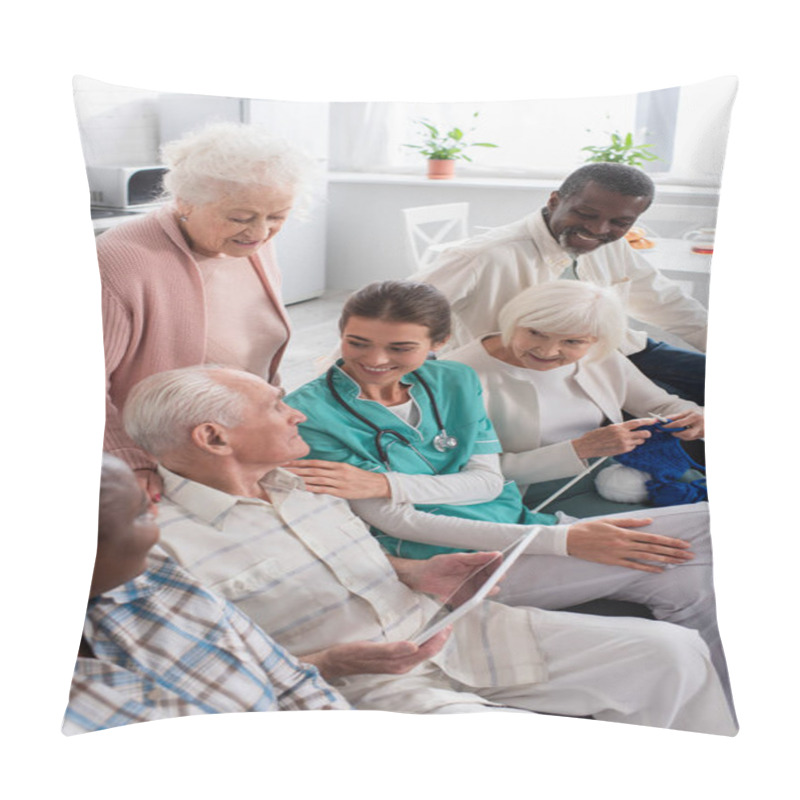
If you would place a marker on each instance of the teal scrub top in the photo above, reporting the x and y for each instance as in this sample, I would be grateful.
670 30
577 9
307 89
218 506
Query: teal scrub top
334 434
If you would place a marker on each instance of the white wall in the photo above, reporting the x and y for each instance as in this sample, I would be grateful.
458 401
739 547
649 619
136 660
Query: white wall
118 124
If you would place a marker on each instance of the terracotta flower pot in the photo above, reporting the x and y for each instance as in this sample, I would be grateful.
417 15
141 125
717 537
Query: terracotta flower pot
441 168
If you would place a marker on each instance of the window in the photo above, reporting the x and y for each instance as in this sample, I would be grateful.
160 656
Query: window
543 138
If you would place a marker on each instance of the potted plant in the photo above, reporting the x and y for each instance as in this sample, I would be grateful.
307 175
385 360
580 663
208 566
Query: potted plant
621 150
442 149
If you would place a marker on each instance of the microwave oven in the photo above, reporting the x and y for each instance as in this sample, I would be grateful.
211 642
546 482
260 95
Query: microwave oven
125 187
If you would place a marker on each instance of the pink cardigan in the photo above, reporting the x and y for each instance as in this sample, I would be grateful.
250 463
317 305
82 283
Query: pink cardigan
154 312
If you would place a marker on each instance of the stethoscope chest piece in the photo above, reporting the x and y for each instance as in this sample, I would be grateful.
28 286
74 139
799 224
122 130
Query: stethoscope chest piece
443 441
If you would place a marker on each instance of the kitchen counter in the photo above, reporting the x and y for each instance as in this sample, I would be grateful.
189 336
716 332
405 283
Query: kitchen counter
105 218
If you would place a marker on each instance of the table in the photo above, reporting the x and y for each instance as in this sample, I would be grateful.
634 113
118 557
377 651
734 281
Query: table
674 259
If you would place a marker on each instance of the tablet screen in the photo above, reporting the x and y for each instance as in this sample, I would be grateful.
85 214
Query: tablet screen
472 590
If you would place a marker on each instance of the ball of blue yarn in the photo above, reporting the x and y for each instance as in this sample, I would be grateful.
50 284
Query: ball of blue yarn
667 462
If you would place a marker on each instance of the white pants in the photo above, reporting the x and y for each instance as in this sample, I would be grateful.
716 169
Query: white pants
618 669
683 594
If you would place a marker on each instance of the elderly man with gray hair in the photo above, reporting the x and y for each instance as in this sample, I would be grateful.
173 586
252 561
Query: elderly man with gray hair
312 576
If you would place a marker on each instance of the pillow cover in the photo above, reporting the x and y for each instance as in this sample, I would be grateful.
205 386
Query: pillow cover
353 210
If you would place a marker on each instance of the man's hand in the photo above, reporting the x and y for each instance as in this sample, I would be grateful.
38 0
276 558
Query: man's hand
693 421
441 575
340 480
611 440
369 658
607 542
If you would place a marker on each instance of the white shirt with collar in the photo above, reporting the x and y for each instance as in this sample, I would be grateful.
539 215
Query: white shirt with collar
309 572
481 275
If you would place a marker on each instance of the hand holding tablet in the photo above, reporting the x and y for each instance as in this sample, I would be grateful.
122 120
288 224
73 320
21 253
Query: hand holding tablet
472 591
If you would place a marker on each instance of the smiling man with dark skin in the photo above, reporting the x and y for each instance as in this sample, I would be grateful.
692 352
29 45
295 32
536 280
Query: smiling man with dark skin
592 217
579 235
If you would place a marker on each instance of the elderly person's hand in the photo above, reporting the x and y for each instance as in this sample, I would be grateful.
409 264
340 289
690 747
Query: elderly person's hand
611 440
693 421
607 542
340 480
442 575
370 658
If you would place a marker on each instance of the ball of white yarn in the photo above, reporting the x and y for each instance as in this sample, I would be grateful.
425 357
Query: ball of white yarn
622 484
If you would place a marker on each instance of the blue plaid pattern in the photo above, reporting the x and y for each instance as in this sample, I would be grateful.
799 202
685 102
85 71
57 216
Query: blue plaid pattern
166 646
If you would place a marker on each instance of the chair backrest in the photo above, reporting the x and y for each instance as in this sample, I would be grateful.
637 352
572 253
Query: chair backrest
427 226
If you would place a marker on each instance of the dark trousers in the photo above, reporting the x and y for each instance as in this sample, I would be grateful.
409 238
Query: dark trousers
680 372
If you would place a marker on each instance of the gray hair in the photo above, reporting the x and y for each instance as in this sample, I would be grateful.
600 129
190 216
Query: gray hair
620 178
203 162
163 409
568 307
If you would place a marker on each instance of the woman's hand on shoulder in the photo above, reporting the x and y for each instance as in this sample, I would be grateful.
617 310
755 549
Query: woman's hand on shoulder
611 440
340 480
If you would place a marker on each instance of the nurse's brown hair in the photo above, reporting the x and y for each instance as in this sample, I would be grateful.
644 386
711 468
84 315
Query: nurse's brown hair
401 301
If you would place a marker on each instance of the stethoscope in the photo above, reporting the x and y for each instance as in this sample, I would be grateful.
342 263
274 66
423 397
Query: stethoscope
441 442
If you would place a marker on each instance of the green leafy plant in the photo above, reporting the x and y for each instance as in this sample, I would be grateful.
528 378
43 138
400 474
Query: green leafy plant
621 150
440 146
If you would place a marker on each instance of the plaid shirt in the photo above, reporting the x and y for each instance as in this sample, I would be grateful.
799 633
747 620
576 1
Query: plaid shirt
166 647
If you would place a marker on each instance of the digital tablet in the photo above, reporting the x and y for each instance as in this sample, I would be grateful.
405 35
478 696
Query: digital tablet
472 591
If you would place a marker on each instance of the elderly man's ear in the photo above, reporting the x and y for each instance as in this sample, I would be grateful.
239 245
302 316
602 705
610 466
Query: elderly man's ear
212 438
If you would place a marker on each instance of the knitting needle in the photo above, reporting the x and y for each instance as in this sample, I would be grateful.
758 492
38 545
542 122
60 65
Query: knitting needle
571 483
662 420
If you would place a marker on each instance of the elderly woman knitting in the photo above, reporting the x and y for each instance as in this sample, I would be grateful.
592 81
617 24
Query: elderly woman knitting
556 387
196 280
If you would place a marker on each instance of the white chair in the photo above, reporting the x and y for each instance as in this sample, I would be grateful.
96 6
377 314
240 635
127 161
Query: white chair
429 227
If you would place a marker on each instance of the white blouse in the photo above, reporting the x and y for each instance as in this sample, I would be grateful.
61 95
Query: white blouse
557 390
244 329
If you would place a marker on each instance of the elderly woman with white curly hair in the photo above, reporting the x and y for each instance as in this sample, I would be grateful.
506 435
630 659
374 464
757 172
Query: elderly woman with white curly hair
196 281
555 388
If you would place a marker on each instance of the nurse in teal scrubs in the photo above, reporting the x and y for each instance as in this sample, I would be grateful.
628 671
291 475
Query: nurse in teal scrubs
407 440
